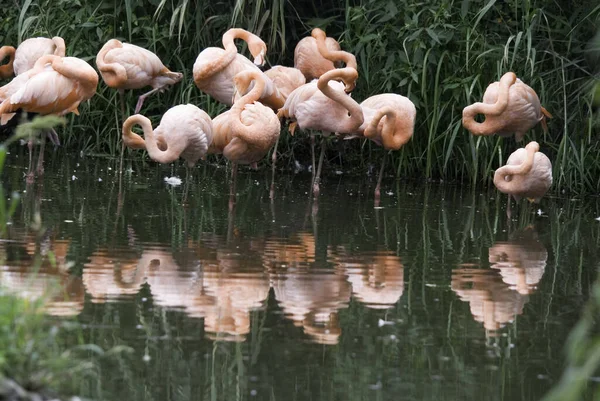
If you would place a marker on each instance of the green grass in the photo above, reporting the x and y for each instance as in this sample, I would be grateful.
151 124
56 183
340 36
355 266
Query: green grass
441 54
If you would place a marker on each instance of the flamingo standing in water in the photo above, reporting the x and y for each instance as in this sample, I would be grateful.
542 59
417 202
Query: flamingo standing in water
215 68
527 174
23 58
389 121
245 133
126 66
55 85
324 105
184 131
510 107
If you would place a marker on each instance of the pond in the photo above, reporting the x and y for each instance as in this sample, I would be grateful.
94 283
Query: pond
435 294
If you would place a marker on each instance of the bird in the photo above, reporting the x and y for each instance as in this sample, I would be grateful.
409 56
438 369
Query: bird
245 133
510 107
127 66
55 85
325 106
309 60
215 68
184 131
527 174
389 121
23 58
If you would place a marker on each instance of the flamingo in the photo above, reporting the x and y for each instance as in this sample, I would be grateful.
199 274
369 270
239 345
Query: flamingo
389 121
245 133
325 106
23 58
126 66
510 107
527 174
309 59
55 85
184 131
215 68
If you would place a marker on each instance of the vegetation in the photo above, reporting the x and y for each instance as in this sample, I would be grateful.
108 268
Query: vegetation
442 54
37 354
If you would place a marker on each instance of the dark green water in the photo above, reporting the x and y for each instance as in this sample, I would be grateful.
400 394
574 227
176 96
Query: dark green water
433 296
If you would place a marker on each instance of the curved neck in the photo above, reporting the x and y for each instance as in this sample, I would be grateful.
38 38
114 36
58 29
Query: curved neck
61 49
333 55
347 75
500 176
489 126
87 77
114 74
6 70
170 154
243 80
390 138
131 139
257 47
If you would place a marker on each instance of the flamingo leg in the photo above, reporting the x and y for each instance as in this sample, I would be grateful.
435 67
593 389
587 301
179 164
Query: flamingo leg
53 136
30 176
508 209
316 188
312 152
40 164
143 97
274 160
378 187
232 187
122 99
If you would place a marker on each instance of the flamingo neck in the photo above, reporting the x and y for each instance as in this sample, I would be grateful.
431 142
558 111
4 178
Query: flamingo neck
391 137
333 55
490 125
61 49
347 75
131 139
503 175
114 74
6 70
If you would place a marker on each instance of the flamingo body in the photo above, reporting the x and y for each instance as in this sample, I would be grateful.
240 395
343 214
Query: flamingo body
30 50
309 61
56 85
220 85
215 68
403 123
527 174
286 79
184 131
510 107
127 66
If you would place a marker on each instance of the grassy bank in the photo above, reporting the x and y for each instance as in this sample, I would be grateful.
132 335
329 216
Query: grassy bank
441 54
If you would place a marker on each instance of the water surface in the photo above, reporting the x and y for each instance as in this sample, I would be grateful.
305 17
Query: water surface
434 295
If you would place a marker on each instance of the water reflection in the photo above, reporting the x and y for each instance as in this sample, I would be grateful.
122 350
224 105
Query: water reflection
497 295
114 273
521 260
30 272
377 278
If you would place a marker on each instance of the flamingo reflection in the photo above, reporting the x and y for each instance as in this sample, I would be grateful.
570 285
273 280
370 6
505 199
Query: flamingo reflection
22 275
377 278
